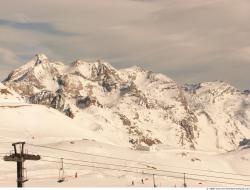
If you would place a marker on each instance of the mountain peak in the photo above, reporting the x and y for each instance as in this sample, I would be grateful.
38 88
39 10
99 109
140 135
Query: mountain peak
41 58
92 70
217 85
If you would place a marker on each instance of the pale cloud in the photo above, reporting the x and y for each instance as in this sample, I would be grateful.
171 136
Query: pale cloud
243 53
41 27
191 41
8 56
7 59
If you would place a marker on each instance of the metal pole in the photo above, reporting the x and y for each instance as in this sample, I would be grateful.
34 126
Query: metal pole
154 180
19 174
62 169
185 185
61 173
19 158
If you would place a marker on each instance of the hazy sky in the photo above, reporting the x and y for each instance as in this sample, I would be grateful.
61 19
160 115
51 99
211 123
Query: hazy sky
188 40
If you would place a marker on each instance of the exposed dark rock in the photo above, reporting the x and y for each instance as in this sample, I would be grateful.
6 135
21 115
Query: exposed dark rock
5 91
58 102
43 97
84 102
244 142
108 83
51 99
124 119
69 113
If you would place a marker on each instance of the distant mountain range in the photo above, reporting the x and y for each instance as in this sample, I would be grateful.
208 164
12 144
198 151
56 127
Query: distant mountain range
133 107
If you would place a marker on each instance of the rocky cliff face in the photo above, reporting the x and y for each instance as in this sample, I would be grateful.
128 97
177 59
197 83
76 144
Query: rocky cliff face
150 108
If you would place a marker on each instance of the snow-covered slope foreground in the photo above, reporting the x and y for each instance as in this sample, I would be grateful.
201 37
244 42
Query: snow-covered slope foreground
137 108
41 124
36 123
201 168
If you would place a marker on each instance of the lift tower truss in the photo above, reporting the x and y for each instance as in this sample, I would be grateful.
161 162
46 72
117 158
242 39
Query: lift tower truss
20 157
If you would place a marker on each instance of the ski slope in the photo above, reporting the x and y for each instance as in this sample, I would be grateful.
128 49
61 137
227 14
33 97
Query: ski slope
99 169
103 164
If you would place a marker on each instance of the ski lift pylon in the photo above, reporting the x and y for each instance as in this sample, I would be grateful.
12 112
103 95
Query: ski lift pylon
61 177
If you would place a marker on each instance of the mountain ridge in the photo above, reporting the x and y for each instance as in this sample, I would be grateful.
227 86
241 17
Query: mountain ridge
152 108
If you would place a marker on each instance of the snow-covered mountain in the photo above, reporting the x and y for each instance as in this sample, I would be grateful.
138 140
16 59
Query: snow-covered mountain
222 110
136 108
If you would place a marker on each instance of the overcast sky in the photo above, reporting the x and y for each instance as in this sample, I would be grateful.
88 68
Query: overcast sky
188 40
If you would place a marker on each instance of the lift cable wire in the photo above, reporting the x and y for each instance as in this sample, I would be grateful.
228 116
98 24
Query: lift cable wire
140 162
157 174
146 173
150 169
